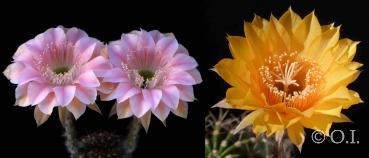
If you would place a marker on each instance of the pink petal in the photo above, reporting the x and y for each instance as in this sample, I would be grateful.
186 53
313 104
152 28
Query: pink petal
195 75
88 79
76 108
156 35
129 41
98 64
85 48
184 62
152 96
138 105
116 52
186 93
145 121
21 96
35 46
182 49
39 116
26 75
131 92
170 96
24 55
75 34
21 90
145 41
121 90
55 35
182 109
124 110
37 92
13 71
86 95
64 94
161 112
167 45
180 77
115 75
47 105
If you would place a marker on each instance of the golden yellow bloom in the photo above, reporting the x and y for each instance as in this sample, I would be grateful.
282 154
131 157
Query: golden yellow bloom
292 73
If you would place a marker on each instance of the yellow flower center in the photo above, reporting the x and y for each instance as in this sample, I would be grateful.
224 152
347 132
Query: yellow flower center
291 79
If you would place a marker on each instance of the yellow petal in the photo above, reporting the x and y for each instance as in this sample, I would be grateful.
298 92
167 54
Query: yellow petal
339 75
329 108
297 135
234 72
240 48
290 20
323 43
308 30
248 120
318 122
341 93
240 99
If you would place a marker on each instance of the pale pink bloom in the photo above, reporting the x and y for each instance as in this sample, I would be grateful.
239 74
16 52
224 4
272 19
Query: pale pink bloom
152 73
59 67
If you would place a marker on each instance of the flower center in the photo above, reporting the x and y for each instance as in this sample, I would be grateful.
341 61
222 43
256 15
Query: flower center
147 76
291 79
61 70
58 64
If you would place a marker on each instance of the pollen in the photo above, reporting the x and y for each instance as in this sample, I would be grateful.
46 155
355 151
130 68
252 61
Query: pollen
291 79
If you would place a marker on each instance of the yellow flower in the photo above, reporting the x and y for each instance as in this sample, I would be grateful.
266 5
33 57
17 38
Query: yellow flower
291 73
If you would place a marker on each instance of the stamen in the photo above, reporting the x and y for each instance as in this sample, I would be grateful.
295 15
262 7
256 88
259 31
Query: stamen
290 79
58 64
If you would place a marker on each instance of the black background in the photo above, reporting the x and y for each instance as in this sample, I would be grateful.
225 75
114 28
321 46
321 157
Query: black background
201 26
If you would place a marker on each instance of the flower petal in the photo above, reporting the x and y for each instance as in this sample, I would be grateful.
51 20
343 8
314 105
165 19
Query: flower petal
123 110
139 105
75 34
186 93
248 120
180 77
297 135
85 48
37 92
182 109
167 46
170 96
77 108
64 94
152 96
161 112
47 105
39 116
88 79
184 62
98 64
86 95
115 75
195 75
145 120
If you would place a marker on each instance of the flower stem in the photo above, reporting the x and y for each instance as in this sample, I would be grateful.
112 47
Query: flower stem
130 143
70 134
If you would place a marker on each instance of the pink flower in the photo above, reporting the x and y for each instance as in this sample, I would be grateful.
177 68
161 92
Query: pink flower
152 73
59 67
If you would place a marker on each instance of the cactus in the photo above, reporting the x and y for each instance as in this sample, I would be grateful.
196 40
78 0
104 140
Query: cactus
100 144
221 142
